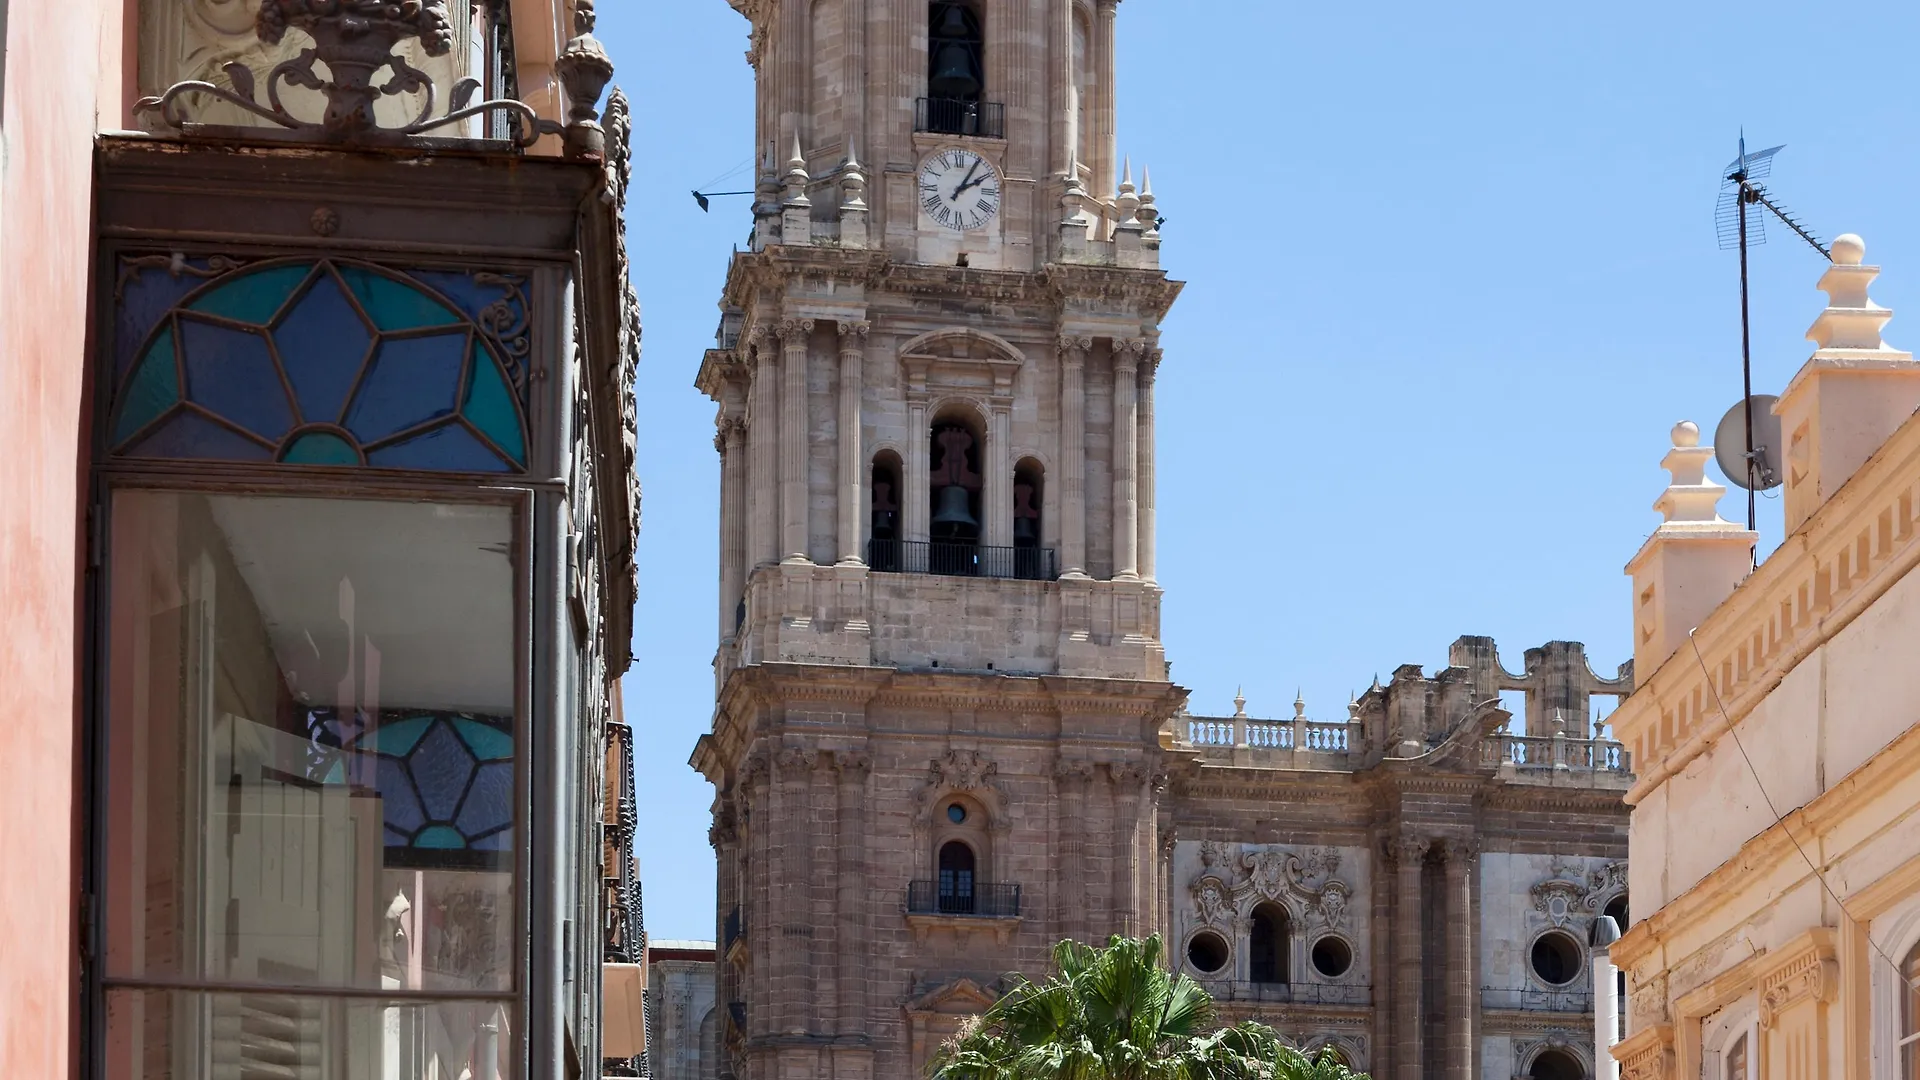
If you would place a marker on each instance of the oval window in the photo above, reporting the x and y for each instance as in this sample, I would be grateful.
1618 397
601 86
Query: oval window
1207 952
956 813
1556 958
1332 957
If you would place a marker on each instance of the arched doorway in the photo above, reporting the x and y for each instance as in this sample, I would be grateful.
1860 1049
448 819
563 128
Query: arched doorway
1556 1065
956 878
1267 954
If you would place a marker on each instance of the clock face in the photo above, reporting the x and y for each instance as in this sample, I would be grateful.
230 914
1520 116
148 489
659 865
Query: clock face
959 190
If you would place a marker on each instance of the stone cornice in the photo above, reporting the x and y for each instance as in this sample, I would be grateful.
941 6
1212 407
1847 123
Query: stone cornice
1851 551
1806 970
1648 1055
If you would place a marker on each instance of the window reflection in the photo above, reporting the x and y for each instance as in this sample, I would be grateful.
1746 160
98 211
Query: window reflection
311 769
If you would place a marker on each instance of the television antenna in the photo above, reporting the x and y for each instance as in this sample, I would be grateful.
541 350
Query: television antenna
1742 228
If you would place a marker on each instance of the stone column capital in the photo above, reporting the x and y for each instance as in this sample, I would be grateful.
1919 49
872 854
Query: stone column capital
794 764
853 332
1073 348
793 331
1134 349
852 765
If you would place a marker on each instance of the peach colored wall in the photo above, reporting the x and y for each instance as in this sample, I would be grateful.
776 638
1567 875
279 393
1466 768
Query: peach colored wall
51 113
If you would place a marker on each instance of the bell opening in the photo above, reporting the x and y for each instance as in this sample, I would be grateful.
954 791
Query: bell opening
1026 504
954 483
955 45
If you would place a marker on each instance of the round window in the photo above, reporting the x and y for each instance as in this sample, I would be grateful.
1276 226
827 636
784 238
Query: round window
1332 957
956 813
1556 958
1207 952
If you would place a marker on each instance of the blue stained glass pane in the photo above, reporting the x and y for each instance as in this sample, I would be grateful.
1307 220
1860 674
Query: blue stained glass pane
321 448
190 435
322 342
154 388
413 380
487 744
396 838
252 296
489 803
440 837
399 737
145 297
489 405
393 305
470 296
451 448
441 767
500 841
401 808
232 374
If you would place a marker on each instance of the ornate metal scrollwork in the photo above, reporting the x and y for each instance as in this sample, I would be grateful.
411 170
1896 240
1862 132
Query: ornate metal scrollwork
355 40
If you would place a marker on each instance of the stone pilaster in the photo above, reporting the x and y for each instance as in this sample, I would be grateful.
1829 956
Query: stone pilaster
853 347
821 978
1411 855
1463 1006
761 932
794 335
791 918
1129 784
764 434
1073 455
853 768
998 461
1105 152
1071 778
1126 457
1149 370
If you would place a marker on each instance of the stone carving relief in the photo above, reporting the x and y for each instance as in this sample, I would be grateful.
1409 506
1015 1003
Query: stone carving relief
1647 1001
1812 975
1243 876
967 771
1558 899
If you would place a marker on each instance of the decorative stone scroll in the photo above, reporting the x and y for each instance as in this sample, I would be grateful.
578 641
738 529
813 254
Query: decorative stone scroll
1304 882
1812 975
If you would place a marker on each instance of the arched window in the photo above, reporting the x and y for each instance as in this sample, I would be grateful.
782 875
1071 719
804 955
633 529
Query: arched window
1617 908
1028 498
883 549
1736 1060
1910 1016
956 67
956 878
1556 1065
1267 957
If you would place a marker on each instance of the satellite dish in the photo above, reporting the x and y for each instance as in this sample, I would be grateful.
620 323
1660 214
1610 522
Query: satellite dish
1730 444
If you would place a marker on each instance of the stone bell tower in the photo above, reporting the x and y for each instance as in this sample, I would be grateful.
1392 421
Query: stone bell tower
939 676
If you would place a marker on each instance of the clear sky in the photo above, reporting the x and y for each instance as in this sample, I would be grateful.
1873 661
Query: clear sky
1452 277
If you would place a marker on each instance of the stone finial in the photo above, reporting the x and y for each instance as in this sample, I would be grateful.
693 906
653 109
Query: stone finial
584 71
797 178
1299 705
1353 708
1127 200
1852 322
1149 215
1073 199
853 182
1690 498
1239 702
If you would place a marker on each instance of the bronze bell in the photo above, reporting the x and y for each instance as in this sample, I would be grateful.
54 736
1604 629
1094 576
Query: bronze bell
952 516
953 75
1024 533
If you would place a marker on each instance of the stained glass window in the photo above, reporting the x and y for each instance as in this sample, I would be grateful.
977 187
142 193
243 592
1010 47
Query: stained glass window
445 780
326 362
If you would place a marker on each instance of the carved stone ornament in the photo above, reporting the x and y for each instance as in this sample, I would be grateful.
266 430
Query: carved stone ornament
1303 881
1213 901
1648 999
1813 975
354 40
1558 899
965 771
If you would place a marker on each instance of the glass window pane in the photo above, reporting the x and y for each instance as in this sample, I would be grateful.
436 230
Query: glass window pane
184 1035
254 296
153 390
311 743
231 374
392 305
412 380
449 447
323 343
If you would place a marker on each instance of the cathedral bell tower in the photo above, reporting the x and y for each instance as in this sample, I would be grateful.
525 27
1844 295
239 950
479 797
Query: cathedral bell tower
939 676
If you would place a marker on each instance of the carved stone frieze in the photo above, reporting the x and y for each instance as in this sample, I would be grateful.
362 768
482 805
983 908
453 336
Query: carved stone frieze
1245 875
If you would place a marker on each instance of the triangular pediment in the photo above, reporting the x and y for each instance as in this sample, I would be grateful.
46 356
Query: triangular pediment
961 997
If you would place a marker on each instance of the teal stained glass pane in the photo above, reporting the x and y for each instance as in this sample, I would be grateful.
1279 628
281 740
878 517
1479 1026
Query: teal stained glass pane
393 305
489 802
490 406
412 381
487 744
254 296
450 448
232 375
190 435
154 388
321 448
399 737
322 342
440 837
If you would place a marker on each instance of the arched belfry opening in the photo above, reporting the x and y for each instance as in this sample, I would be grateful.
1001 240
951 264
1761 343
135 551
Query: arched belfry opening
1267 945
1028 524
954 485
883 515
956 69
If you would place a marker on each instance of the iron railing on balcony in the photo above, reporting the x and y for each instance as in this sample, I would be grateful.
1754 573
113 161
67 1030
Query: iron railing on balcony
1297 993
981 900
962 560
1570 1000
736 926
958 116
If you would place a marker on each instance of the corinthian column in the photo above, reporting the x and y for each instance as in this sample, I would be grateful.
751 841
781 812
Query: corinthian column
1408 969
998 460
1148 526
1103 146
1462 921
764 540
730 441
1073 455
853 347
793 438
1126 455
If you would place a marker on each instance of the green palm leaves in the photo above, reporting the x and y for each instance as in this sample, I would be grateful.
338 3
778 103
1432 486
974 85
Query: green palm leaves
1117 1014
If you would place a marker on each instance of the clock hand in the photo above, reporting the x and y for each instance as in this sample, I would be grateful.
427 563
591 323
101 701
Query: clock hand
966 181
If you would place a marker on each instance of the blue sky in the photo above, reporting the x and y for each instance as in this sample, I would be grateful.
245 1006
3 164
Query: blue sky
1452 278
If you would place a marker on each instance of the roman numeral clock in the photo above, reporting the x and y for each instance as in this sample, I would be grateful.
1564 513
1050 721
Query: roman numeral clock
959 190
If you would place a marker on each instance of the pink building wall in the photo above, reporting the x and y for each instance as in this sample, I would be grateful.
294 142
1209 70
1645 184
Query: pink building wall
46 140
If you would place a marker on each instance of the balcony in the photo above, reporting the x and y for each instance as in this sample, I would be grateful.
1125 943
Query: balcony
1312 993
984 902
1530 999
958 116
962 560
